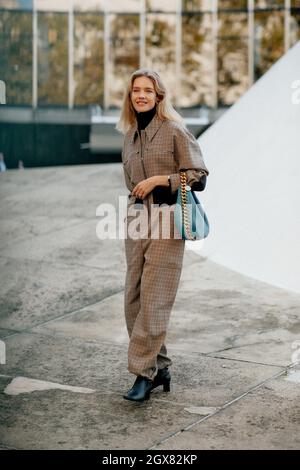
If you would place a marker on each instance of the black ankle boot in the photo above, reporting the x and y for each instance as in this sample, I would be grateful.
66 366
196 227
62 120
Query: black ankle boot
163 377
140 390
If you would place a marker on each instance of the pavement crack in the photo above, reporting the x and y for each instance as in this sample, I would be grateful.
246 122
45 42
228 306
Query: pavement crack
69 314
219 410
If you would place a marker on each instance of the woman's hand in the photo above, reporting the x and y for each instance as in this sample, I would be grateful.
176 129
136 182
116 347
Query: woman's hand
142 189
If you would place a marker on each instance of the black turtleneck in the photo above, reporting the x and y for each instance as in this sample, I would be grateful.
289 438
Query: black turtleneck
144 117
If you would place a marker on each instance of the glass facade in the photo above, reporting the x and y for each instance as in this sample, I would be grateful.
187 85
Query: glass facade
294 25
160 50
268 39
81 52
232 47
88 58
124 53
197 64
16 55
52 59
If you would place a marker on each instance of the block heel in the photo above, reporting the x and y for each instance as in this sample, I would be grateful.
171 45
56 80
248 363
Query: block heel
163 378
166 385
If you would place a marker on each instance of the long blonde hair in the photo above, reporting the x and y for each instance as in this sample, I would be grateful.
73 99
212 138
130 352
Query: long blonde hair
164 108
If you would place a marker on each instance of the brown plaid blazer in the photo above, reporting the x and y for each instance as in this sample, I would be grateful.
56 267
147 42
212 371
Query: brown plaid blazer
165 148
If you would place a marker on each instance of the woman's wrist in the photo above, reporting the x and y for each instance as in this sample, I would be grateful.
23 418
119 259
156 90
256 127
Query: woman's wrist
161 180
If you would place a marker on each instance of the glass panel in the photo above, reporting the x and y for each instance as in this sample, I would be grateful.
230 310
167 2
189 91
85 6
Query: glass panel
232 4
197 60
52 58
268 3
197 5
268 40
294 28
158 5
88 59
89 5
233 79
16 56
17 4
124 54
51 5
122 6
161 49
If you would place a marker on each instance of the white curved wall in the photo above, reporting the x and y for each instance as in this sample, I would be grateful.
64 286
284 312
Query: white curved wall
252 196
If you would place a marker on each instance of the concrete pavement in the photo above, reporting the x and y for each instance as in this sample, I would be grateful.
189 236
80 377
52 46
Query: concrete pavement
231 338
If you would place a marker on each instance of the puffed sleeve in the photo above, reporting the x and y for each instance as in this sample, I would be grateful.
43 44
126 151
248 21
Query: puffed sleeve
188 156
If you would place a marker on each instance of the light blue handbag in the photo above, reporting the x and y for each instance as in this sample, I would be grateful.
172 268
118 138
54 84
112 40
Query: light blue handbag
189 215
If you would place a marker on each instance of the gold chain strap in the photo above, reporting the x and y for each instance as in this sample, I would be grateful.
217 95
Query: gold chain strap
184 208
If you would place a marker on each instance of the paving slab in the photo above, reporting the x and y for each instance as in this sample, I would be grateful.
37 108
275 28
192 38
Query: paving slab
103 320
89 363
58 419
67 191
196 381
62 321
233 314
187 333
242 326
4 332
14 230
76 243
266 418
33 291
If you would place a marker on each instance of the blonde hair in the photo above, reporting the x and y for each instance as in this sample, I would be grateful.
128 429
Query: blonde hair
164 108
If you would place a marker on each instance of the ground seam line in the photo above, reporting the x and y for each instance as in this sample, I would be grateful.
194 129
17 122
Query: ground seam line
198 421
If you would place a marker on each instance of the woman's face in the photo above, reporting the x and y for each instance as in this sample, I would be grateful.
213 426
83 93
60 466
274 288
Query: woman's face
143 95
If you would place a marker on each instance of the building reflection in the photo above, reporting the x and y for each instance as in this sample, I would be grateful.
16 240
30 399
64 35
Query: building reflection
75 53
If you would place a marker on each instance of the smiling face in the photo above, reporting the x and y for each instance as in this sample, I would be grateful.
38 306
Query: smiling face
143 95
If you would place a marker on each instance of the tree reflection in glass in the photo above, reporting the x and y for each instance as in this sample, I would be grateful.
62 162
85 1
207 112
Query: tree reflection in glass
52 58
88 59
161 49
232 46
124 54
268 40
197 60
16 56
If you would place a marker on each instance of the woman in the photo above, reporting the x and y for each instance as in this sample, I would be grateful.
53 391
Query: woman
156 146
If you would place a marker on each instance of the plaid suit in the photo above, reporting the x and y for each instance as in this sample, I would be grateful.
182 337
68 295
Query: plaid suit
154 265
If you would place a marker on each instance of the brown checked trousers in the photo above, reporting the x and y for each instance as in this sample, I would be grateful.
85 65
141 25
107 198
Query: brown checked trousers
154 264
